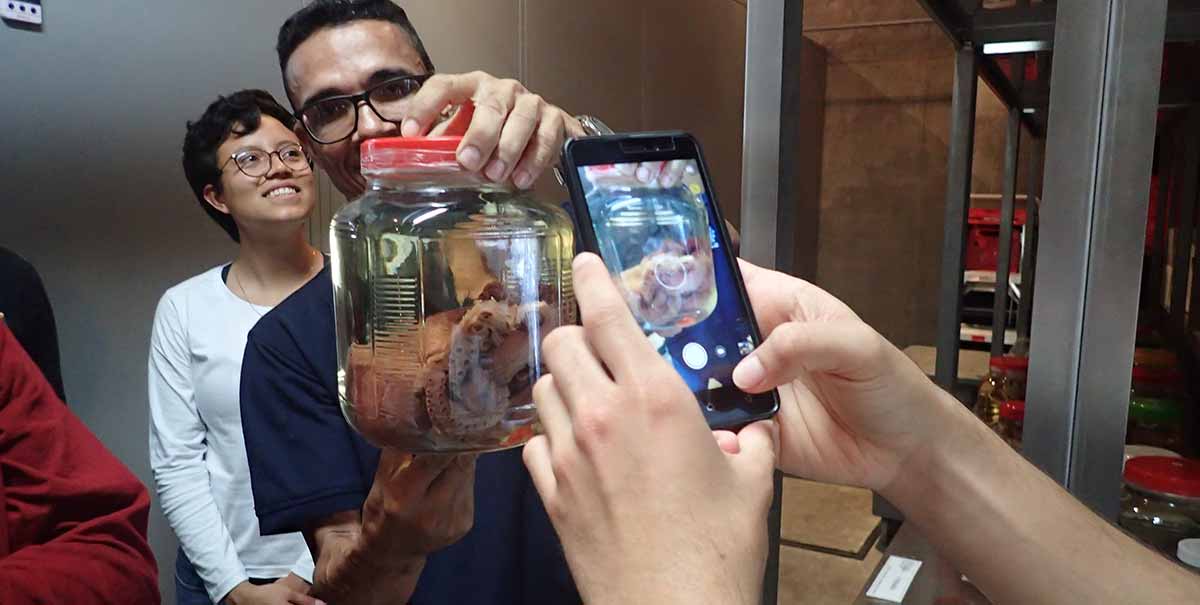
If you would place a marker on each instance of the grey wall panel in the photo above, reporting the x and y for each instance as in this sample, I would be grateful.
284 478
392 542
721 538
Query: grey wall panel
94 107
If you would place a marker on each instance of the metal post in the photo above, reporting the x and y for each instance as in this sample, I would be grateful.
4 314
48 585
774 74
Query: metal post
762 129
1186 188
1104 97
1033 199
958 198
1182 321
1007 202
1167 163
773 42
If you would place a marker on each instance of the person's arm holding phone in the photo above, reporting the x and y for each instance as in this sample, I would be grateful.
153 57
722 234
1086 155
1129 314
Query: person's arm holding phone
645 204
649 510
855 411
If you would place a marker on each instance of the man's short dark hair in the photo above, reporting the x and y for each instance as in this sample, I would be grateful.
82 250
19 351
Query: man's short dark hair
330 13
237 114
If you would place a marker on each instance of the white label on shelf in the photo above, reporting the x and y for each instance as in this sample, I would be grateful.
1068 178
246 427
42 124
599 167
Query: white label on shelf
893 580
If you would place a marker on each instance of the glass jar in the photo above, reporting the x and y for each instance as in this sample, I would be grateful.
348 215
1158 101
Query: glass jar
987 402
1148 337
1137 451
1154 357
1156 422
657 241
1159 382
1012 422
1015 377
1005 382
1161 500
444 286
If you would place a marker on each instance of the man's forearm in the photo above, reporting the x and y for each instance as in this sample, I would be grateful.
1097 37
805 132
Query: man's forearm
1018 535
350 571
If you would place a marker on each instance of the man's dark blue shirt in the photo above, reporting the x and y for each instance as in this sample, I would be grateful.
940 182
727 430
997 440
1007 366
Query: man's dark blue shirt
307 463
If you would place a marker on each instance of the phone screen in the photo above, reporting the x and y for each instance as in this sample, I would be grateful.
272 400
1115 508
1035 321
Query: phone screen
663 244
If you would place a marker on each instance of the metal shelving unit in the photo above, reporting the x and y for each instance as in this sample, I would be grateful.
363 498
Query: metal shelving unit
1090 122
1085 237
1095 114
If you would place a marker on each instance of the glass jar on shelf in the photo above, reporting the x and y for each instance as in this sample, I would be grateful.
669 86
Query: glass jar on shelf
1155 357
444 286
1015 377
1005 382
1137 451
1160 503
1156 422
1148 337
1012 422
1158 382
986 402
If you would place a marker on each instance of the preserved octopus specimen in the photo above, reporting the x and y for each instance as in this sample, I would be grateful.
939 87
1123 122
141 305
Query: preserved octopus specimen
476 363
673 286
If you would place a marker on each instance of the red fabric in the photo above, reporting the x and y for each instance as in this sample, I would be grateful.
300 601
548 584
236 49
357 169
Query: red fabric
74 518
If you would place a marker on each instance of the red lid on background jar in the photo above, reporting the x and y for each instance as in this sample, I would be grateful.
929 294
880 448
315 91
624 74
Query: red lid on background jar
1155 357
1171 476
1009 362
1156 375
1013 410
436 154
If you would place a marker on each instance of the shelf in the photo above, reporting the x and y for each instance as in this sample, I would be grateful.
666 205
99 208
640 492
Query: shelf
988 277
983 334
972 365
936 582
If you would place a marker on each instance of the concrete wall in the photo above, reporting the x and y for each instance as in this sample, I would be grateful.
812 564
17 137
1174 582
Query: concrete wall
887 121
94 111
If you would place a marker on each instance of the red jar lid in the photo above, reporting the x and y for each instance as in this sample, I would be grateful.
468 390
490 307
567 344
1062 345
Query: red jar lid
1009 362
1170 476
410 153
1154 357
1156 375
1013 410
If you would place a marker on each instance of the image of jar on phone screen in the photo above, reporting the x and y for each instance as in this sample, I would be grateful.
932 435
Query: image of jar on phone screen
659 250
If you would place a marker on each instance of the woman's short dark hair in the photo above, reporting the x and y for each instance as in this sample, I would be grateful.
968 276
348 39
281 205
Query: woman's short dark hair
330 13
237 114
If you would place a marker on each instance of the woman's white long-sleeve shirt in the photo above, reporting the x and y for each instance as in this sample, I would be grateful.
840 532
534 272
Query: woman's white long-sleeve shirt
197 448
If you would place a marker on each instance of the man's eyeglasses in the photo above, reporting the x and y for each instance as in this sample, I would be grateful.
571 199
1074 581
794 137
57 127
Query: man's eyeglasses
256 163
334 119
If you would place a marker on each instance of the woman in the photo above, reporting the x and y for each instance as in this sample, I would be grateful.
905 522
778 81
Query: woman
252 177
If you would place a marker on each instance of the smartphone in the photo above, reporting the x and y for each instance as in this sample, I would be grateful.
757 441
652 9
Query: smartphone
644 203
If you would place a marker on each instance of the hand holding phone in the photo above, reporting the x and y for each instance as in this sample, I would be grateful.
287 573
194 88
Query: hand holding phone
628 469
645 205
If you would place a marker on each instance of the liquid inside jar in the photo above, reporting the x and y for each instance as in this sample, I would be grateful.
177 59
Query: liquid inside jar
443 295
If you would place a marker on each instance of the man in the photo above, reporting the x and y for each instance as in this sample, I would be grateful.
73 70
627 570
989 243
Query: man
651 510
378 523
72 517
